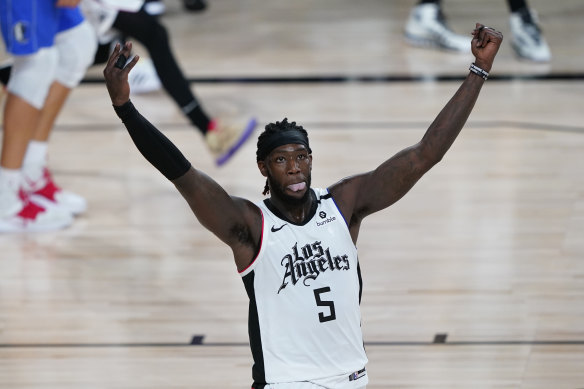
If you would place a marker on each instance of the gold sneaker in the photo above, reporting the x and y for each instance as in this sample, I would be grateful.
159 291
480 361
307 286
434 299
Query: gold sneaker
224 140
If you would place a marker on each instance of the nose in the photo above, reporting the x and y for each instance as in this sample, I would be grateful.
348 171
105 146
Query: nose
293 166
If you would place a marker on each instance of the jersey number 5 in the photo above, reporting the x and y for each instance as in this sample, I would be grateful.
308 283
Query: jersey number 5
324 303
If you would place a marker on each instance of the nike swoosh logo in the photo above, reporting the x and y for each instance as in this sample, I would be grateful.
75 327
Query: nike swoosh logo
274 229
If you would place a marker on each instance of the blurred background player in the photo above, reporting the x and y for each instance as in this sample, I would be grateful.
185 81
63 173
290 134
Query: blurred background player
129 18
427 27
52 47
157 7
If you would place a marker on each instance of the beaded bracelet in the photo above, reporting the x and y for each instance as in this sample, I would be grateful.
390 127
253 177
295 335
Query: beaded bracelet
476 70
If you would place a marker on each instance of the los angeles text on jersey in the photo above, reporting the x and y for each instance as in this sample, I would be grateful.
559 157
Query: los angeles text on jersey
309 262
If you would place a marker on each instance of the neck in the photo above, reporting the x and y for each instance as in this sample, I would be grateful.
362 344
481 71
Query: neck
296 212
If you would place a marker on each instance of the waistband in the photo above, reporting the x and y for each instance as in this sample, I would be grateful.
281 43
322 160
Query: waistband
356 375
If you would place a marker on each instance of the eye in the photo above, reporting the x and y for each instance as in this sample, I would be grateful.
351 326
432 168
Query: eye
302 156
280 159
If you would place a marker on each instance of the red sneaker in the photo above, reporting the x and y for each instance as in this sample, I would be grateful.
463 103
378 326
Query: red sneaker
32 217
48 195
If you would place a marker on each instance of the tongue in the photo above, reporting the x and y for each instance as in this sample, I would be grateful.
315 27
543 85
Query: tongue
297 187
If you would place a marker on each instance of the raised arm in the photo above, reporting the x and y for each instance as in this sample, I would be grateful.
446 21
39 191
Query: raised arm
361 195
235 221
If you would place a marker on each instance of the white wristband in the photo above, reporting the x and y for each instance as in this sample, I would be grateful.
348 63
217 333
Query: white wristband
476 70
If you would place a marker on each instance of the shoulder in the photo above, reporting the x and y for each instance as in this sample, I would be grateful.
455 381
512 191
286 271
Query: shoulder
320 192
346 194
347 189
250 208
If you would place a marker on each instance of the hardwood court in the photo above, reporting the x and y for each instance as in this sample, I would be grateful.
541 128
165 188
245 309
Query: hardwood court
475 279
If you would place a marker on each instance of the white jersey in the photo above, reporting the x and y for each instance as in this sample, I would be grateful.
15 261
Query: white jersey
304 288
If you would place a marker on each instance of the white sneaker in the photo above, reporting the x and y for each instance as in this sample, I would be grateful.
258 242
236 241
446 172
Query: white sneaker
143 78
426 27
226 139
23 215
155 7
527 40
47 194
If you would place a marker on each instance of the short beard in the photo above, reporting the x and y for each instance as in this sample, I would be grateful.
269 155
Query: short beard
279 192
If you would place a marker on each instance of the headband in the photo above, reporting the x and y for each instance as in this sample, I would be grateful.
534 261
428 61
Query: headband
278 139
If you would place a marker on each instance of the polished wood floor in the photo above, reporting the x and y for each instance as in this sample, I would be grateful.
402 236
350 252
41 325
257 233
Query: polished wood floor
475 279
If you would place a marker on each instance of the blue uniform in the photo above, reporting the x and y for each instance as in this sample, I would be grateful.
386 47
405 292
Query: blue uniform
29 25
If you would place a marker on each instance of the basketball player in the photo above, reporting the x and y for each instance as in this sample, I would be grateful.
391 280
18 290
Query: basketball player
110 18
296 250
427 27
52 46
129 17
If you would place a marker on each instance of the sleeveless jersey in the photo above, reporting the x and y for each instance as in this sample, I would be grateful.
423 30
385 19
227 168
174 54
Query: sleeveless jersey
304 288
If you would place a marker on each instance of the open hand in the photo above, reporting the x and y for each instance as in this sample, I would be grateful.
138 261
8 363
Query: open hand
485 44
116 73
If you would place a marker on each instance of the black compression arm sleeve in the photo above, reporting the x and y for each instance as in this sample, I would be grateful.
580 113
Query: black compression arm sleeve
153 145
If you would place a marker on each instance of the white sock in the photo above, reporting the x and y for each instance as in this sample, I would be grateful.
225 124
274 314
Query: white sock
10 179
35 160
36 153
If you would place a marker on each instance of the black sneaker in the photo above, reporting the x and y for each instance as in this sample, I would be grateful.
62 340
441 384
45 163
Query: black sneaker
195 5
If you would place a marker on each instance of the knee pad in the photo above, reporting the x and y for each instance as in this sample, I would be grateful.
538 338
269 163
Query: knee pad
32 76
76 49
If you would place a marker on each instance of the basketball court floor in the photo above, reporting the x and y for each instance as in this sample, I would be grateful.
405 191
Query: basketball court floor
475 279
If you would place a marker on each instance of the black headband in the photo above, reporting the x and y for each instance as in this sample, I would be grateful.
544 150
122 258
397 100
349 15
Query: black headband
279 139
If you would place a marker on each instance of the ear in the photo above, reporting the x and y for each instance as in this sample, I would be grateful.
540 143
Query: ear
310 157
263 168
